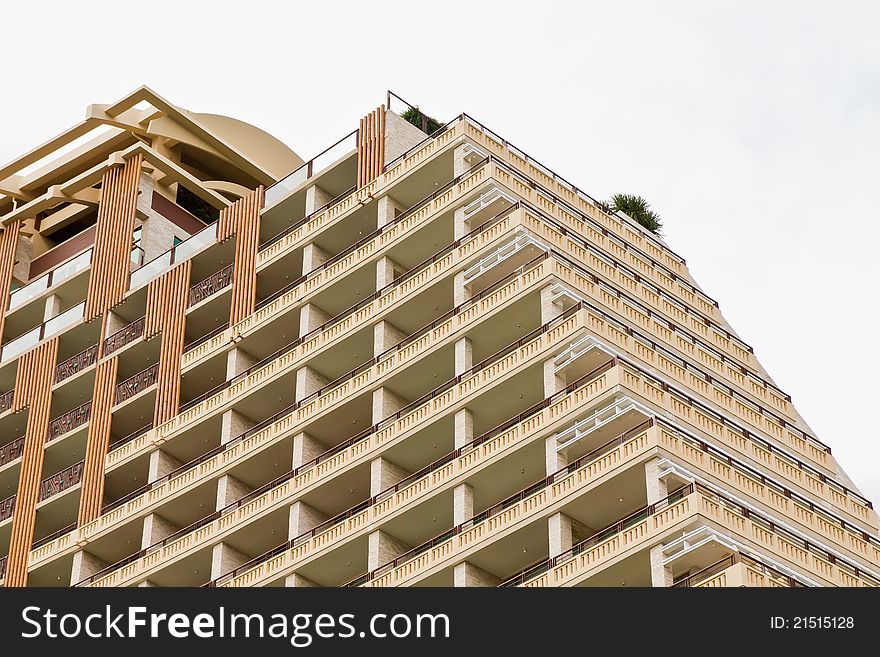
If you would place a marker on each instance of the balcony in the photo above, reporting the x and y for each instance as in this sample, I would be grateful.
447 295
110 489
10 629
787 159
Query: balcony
179 253
137 383
11 451
69 421
210 285
329 156
756 574
54 277
76 364
25 342
124 336
61 481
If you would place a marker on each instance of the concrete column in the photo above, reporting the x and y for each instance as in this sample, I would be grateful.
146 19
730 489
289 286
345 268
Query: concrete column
464 356
313 257
384 474
385 404
467 574
463 503
233 424
656 487
460 226
225 558
296 580
385 336
464 427
307 382
305 449
459 165
564 532
85 564
229 490
156 528
383 548
161 463
316 198
387 210
238 361
460 293
550 310
114 323
660 575
310 318
386 271
553 381
554 460
52 308
303 518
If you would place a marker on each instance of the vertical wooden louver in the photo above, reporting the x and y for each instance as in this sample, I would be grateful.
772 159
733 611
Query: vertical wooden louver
92 495
242 219
111 262
167 298
33 385
371 146
8 243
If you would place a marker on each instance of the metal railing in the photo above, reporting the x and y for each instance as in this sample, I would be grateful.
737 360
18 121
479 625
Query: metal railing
210 285
77 363
7 507
124 336
11 451
137 383
61 481
6 401
69 421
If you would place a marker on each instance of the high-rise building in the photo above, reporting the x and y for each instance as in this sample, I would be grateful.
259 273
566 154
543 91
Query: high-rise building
419 359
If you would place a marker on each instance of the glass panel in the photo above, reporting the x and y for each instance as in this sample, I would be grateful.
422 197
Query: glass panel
21 344
334 153
29 291
149 270
201 239
71 267
68 317
287 185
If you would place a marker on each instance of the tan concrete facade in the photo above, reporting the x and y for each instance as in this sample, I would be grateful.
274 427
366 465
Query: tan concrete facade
411 361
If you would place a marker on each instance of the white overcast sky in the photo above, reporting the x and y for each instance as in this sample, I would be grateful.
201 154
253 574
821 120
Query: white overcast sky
753 127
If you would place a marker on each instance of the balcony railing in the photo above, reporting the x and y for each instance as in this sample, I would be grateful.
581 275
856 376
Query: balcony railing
29 339
69 421
737 557
76 363
11 451
7 507
51 537
125 335
179 253
318 163
3 567
131 436
61 481
210 285
135 384
6 401
62 272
